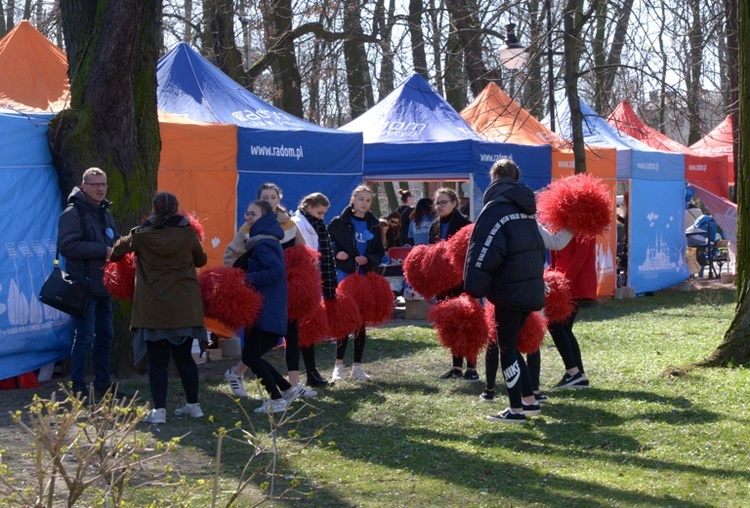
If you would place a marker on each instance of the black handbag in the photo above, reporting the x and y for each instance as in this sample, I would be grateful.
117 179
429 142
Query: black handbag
65 294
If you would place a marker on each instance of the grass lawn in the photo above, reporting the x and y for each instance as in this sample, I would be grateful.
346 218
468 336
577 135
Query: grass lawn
635 438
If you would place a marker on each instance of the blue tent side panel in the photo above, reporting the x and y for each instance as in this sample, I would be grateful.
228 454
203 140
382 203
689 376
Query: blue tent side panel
299 163
418 161
535 162
31 334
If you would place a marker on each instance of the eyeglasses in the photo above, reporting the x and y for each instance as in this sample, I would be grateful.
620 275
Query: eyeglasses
442 202
395 223
99 185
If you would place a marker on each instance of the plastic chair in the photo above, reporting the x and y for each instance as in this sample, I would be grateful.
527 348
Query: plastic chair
398 253
721 254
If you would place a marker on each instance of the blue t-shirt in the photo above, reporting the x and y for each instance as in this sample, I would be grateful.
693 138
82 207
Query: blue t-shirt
420 234
362 234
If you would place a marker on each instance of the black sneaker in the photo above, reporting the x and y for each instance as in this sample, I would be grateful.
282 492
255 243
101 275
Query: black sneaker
452 374
470 376
583 384
315 379
541 397
508 416
487 396
569 381
532 409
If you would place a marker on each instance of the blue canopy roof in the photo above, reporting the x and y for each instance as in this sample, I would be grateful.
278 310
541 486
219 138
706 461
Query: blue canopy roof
273 145
414 133
31 334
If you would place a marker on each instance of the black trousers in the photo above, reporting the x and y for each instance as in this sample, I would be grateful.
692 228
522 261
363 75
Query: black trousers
158 375
258 343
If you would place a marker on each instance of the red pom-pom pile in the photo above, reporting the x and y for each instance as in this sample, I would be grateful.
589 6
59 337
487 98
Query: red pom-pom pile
119 277
442 274
381 300
531 335
460 325
313 328
414 273
303 281
559 302
458 246
343 315
580 203
195 224
228 299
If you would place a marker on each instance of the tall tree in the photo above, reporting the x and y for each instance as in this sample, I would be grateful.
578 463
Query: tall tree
219 37
357 71
112 121
418 55
3 26
694 70
735 347
607 64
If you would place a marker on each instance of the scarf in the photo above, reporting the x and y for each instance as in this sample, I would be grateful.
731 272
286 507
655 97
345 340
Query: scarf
327 261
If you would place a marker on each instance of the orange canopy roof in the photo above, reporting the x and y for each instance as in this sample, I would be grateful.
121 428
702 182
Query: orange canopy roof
497 117
33 71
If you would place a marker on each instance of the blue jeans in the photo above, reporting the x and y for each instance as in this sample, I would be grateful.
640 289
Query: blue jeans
94 332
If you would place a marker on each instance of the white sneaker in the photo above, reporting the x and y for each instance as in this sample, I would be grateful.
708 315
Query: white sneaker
235 383
272 406
338 373
358 373
156 416
298 391
191 410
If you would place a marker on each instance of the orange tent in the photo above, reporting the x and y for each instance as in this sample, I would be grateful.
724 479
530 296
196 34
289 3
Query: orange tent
497 117
33 71
719 142
705 170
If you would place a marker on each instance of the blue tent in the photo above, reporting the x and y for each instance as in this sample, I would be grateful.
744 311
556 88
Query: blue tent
656 255
414 134
273 146
31 334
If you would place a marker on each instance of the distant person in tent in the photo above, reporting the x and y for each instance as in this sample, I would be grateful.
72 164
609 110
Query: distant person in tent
421 219
393 233
449 221
505 264
404 211
309 218
357 246
167 304
85 236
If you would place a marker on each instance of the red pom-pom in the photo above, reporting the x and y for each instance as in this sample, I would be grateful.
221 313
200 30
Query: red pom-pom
458 246
119 277
580 203
195 224
489 315
304 286
381 300
442 274
559 304
343 315
228 299
414 273
531 335
460 325
357 287
313 328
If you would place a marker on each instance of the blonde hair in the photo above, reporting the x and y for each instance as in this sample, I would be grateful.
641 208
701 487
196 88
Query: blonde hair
361 188
314 199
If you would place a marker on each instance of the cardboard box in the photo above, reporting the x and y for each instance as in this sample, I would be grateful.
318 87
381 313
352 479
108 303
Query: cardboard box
214 354
416 309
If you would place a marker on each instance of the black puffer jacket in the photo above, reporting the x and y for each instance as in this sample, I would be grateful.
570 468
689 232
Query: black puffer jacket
457 221
100 233
505 261
341 230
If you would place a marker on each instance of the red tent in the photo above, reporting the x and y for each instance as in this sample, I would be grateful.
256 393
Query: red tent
705 170
719 142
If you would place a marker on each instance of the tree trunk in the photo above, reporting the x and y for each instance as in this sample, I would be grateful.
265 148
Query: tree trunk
534 95
455 78
112 121
390 194
355 57
3 27
418 55
220 25
385 24
608 64
733 66
466 20
735 348
10 12
436 43
573 23
694 71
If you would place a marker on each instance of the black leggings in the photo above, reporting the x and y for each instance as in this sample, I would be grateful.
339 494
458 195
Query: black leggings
515 371
566 342
458 363
359 345
158 375
258 343
492 362
294 350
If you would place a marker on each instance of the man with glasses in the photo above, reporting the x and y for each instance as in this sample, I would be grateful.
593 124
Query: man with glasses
85 236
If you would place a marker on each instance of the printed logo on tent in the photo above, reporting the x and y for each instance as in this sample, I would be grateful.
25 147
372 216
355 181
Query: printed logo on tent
698 167
659 254
494 157
604 259
566 164
403 129
264 117
651 166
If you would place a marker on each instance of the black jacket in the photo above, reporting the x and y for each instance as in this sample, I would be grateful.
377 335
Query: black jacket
100 233
457 221
505 261
341 230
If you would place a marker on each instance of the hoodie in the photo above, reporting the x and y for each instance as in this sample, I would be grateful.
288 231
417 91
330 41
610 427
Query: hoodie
505 260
